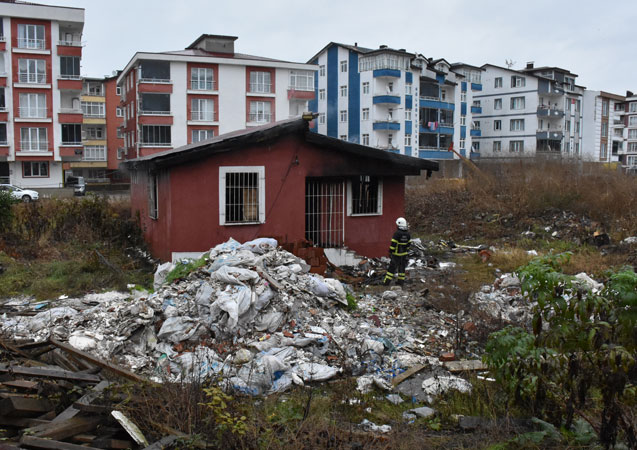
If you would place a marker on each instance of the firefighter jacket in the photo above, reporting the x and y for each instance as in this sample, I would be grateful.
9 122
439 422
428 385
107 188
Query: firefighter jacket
400 243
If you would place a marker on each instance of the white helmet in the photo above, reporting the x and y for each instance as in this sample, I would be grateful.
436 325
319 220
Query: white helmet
401 223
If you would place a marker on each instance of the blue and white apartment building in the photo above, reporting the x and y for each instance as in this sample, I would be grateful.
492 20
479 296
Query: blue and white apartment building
395 100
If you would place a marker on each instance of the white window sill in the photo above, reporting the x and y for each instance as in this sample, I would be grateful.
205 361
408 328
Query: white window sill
240 223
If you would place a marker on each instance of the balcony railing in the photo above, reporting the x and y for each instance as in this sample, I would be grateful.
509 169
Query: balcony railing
3 109
260 118
198 85
70 43
34 146
32 78
36 44
32 113
71 111
155 80
147 112
202 116
426 97
301 87
70 76
71 143
94 154
260 88
94 93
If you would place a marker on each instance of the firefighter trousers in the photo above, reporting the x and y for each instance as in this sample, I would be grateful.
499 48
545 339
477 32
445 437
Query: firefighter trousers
396 269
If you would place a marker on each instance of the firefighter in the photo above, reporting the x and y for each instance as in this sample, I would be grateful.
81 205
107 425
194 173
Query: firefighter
398 250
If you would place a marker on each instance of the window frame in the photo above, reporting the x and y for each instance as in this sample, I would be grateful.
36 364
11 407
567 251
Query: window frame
223 172
497 82
344 66
379 197
40 165
497 104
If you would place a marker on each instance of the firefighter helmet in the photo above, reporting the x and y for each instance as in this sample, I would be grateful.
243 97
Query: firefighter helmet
401 223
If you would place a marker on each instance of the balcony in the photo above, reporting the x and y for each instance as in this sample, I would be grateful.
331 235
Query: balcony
65 43
476 110
546 111
476 86
386 99
386 125
71 154
392 73
31 44
476 132
301 91
549 135
146 112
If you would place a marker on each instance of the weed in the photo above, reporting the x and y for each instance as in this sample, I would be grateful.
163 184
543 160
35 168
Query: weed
183 268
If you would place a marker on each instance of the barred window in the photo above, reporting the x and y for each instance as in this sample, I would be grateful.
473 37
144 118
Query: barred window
365 195
241 195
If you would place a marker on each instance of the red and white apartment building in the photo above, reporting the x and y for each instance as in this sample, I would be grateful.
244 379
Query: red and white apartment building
175 98
40 88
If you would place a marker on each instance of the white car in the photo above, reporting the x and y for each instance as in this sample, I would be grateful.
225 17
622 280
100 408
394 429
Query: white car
26 195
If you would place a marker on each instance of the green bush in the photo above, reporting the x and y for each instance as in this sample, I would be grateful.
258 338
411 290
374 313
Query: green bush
581 354
6 210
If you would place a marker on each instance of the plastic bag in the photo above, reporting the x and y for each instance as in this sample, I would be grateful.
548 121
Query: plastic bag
161 273
261 245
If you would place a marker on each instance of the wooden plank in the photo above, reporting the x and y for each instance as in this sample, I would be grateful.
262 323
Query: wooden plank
14 349
20 406
117 444
38 442
22 384
130 427
98 362
87 398
20 422
162 443
406 374
93 409
464 366
64 429
48 372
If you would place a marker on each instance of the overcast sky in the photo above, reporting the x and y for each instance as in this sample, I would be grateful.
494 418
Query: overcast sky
593 39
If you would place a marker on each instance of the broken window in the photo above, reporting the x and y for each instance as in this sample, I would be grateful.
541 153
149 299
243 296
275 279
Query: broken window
242 195
365 195
153 204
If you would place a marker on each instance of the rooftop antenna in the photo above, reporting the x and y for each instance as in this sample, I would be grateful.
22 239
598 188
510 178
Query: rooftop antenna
509 62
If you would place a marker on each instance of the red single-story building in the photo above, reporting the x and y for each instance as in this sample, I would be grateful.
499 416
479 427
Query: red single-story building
279 180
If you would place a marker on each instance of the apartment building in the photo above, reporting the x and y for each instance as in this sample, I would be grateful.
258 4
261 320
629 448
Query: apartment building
604 126
171 99
40 86
98 134
629 159
529 112
395 100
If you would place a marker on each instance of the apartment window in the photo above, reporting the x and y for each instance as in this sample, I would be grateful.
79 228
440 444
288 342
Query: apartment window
568 126
3 105
153 197
241 195
477 103
462 143
577 148
578 105
604 129
365 114
497 146
577 127
463 120
322 118
3 132
153 71
408 114
366 139
365 195
93 109
343 116
260 82
70 67
94 153
201 79
156 135
603 151
118 90
497 103
463 96
518 81
202 135
408 140
35 169
302 80
497 125
632 121
33 140
32 71
31 36
119 112
93 88
120 133
32 106
476 125
476 147
343 91
443 96
632 134
516 146
260 112
408 88
94 133
497 82
605 108
390 87
632 107
322 70
202 109
517 125
366 87
631 160
343 137
321 94
343 66
517 103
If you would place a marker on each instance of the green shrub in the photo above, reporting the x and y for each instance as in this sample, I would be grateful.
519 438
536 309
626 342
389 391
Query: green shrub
6 210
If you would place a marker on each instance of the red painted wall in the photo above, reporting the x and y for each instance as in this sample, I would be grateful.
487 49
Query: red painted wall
189 199
112 123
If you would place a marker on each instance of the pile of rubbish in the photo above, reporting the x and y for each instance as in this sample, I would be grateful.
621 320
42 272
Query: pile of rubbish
252 315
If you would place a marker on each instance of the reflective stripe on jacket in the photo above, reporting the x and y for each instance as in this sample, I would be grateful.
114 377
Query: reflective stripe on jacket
400 243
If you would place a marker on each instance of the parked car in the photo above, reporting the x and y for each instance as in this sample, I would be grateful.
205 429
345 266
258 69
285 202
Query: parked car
26 195
79 187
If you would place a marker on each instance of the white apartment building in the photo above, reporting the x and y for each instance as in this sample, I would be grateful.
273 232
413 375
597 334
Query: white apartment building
629 159
395 100
40 88
171 99
604 126
530 111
